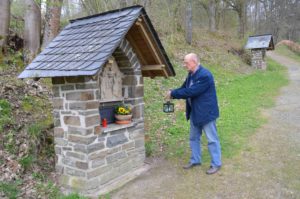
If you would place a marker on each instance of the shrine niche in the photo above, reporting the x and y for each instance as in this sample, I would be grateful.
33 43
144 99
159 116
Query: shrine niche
110 82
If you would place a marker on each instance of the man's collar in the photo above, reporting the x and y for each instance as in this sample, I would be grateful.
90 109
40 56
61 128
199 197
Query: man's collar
198 67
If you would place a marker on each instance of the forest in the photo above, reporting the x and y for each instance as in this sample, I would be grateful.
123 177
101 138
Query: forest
22 22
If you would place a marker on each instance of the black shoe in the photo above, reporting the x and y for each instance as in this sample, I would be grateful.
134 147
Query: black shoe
191 165
213 170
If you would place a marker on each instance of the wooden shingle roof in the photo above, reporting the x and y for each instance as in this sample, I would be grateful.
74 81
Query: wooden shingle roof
85 45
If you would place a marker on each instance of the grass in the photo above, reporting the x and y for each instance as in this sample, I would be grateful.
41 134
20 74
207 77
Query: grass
241 99
5 113
9 189
284 50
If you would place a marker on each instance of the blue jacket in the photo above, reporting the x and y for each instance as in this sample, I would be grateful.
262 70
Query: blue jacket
204 104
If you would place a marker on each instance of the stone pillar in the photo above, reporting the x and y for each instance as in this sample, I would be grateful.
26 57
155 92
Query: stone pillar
76 132
257 59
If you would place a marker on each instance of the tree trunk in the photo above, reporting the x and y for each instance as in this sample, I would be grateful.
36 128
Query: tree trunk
4 21
52 23
188 21
123 3
212 15
32 29
242 18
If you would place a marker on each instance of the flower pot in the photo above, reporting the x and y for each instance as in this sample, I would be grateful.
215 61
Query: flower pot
123 119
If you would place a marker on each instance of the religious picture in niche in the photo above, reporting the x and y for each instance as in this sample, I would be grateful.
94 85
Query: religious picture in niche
110 82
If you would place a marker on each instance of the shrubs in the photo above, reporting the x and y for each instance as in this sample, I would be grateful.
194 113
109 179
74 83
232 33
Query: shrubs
291 46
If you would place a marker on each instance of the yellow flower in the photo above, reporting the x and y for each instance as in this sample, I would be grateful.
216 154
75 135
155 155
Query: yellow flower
121 110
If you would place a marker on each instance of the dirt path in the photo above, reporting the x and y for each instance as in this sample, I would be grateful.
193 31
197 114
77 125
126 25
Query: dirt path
269 167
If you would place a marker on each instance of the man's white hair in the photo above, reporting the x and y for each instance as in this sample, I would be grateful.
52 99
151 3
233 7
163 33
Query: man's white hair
193 57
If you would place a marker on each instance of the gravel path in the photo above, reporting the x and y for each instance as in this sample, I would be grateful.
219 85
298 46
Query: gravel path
269 167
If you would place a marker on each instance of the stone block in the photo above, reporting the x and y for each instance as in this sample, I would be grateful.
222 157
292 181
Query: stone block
66 112
58 80
80 96
129 145
59 169
136 91
115 157
141 81
55 91
96 172
56 114
74 172
82 139
56 122
77 79
57 150
60 142
118 131
58 132
77 183
78 156
79 131
67 87
136 152
58 103
67 105
129 80
98 162
72 120
116 140
64 180
97 94
81 165
92 120
95 147
67 148
98 155
108 176
68 161
83 185
80 148
84 105
138 111
87 113
138 133
97 131
140 143
114 150
87 86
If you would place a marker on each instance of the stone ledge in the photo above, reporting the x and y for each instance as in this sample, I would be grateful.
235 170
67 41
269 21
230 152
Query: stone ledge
117 182
114 127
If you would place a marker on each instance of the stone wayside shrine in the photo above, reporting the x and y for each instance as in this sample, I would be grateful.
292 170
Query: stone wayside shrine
96 63
259 44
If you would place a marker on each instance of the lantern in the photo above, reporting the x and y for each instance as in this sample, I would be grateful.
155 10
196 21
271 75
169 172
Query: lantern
168 107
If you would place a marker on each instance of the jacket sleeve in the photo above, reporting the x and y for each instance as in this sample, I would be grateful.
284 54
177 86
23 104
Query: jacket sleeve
200 86
184 83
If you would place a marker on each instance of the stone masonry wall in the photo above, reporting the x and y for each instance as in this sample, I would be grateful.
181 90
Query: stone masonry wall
88 156
257 60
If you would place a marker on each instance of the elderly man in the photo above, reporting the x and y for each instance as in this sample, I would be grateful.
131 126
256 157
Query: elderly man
202 110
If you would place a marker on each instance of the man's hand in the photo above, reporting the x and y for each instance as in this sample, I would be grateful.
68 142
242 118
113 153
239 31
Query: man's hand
168 95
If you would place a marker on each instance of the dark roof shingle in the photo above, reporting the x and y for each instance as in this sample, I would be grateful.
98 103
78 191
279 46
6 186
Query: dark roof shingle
83 46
